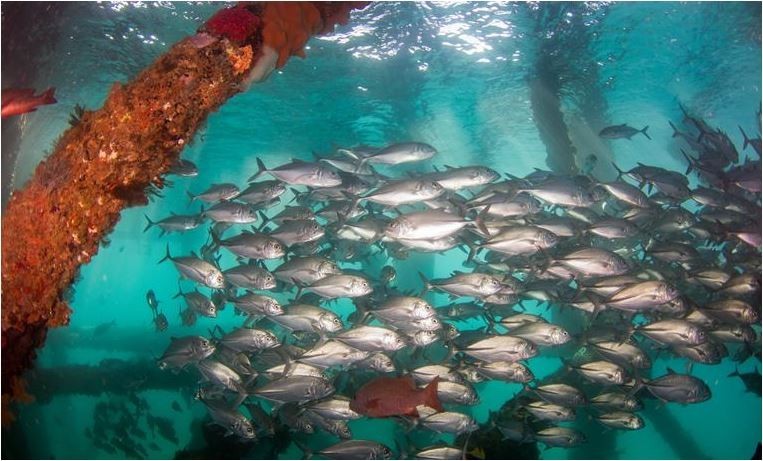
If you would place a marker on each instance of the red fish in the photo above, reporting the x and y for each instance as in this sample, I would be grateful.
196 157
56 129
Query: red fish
384 396
17 101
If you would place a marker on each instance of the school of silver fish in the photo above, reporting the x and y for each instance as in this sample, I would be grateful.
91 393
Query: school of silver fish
640 264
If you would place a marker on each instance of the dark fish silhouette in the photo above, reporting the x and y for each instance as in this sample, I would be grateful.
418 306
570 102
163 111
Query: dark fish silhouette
752 380
622 131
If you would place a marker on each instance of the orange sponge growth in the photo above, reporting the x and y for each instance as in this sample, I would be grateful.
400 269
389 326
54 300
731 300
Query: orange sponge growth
289 25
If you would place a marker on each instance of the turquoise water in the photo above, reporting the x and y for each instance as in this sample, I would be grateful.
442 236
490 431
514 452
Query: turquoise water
464 78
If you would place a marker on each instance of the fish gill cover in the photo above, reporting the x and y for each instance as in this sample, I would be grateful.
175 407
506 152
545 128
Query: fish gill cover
402 297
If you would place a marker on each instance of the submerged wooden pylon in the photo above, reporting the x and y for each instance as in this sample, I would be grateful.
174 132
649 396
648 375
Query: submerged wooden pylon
117 154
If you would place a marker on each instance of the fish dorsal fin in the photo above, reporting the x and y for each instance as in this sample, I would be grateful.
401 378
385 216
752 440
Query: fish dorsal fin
671 371
624 124
193 254
449 167
296 160
455 273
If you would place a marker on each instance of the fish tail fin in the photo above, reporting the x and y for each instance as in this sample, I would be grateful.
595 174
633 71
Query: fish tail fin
216 242
265 221
261 168
639 383
620 172
427 285
479 220
644 132
676 133
191 197
735 372
297 195
746 139
690 168
473 251
48 96
180 291
150 223
430 397
598 305
166 255
360 165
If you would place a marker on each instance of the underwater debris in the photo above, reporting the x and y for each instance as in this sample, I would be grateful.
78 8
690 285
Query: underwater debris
112 155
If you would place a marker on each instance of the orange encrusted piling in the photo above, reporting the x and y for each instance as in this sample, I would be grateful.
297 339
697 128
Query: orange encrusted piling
115 155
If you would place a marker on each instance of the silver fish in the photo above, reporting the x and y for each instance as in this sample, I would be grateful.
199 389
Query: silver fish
426 225
622 353
542 334
249 340
401 192
261 192
560 394
250 276
340 286
674 332
463 177
395 154
230 419
298 231
617 401
733 311
299 172
220 375
501 348
184 351
215 192
185 168
621 420
601 372
305 270
304 317
297 389
252 245
622 131
372 339
560 437
231 212
294 369
196 269
404 308
256 305
357 449
333 353
440 453
425 374
449 422
506 371
462 284
456 393
336 407
593 262
642 295
545 411
175 223
377 361
521 240
675 387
